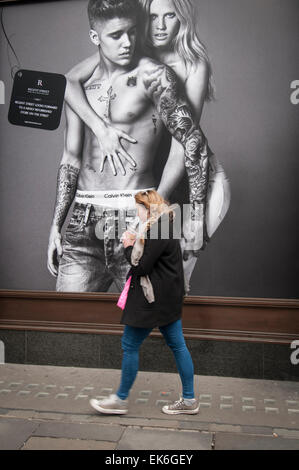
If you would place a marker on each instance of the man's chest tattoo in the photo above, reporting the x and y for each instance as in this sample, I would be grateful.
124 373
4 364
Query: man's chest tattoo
95 86
89 167
107 99
132 81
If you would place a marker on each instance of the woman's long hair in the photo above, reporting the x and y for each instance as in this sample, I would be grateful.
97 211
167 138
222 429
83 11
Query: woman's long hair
156 205
187 43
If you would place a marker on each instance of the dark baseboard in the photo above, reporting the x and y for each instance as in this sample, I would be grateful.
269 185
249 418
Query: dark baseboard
236 337
214 318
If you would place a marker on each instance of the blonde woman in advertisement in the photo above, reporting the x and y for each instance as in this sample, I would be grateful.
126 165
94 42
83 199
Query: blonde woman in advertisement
171 38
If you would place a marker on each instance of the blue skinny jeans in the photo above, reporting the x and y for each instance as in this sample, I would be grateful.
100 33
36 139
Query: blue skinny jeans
131 341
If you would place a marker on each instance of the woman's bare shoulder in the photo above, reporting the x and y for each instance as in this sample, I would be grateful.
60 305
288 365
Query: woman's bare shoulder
198 69
148 64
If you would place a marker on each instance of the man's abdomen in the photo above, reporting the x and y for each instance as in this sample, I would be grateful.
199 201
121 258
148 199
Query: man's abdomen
139 176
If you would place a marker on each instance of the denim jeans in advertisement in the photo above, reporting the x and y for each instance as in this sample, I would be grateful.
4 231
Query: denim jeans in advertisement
93 255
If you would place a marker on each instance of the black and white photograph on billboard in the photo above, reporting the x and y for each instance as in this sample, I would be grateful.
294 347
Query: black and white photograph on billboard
189 103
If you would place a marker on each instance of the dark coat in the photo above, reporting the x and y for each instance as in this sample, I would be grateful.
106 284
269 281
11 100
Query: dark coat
162 262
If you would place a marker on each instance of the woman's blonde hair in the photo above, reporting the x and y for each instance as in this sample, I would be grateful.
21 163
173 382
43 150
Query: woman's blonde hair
156 205
186 43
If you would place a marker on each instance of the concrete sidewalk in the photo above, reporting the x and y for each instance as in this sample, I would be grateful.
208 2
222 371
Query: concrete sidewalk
46 407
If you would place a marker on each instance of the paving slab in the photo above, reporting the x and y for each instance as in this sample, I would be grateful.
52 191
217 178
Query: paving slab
135 438
286 433
224 427
96 432
231 441
257 430
127 421
50 443
194 425
14 433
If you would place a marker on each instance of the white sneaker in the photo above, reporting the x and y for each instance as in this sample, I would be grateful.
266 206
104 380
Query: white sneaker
111 405
180 407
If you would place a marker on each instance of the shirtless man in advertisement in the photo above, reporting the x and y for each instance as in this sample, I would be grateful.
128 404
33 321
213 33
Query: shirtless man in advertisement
140 96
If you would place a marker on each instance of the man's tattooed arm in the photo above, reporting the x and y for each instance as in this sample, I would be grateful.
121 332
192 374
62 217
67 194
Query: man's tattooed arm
66 188
67 178
162 87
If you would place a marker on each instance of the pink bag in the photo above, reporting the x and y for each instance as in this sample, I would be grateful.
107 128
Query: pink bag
124 294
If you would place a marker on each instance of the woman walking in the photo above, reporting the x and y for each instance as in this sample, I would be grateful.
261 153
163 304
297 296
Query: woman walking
155 299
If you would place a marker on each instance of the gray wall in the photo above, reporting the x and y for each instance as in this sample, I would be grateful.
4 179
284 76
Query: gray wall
252 127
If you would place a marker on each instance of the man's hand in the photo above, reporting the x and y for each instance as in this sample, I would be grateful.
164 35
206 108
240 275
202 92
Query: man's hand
112 148
54 250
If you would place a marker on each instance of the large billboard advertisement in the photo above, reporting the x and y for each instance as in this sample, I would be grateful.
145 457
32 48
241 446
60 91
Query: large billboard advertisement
197 100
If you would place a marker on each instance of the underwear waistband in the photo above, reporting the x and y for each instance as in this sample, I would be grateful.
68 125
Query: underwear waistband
115 199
